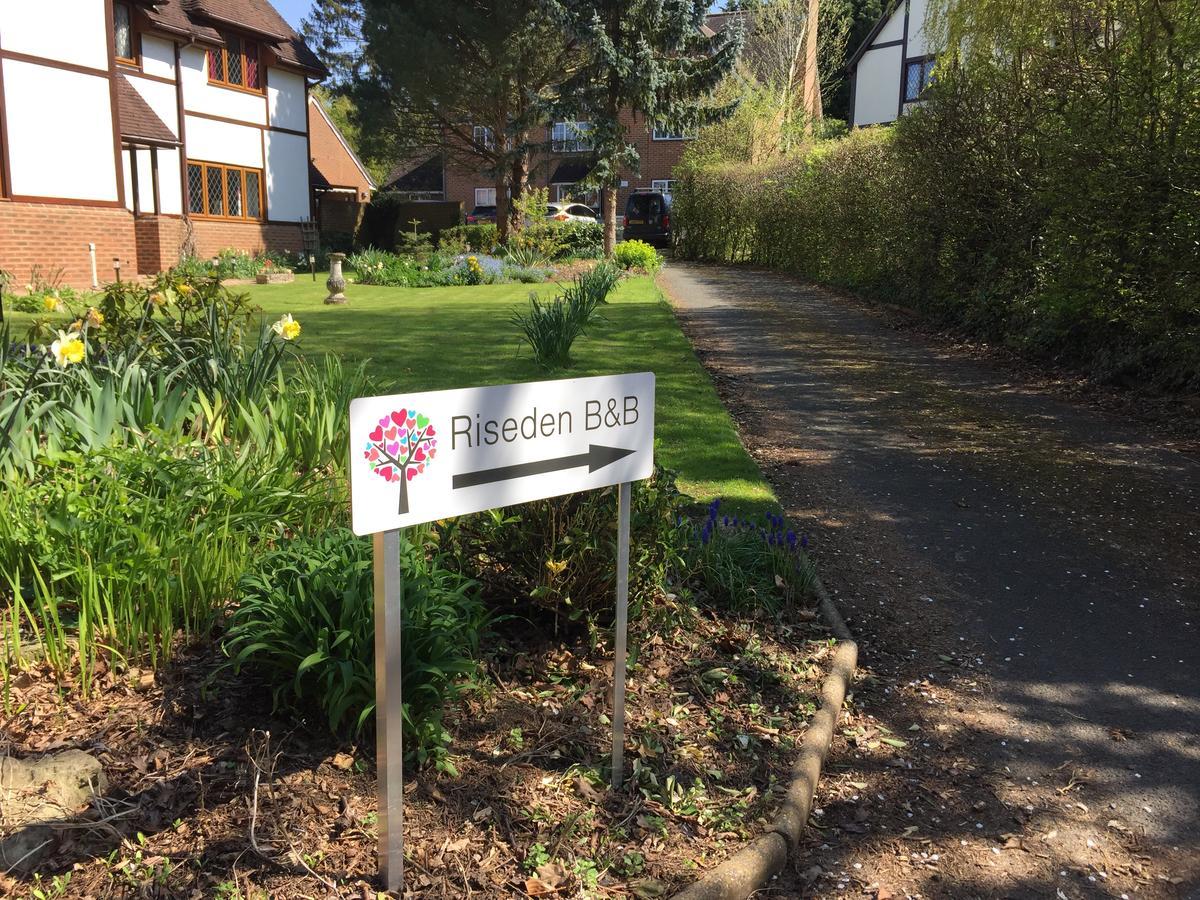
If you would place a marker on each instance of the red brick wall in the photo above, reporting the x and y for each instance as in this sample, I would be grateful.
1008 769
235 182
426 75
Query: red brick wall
158 242
330 156
212 236
55 236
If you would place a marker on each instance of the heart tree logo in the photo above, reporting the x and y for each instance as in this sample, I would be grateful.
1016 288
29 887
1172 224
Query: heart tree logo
400 447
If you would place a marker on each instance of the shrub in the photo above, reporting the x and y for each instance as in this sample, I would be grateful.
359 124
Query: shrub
637 255
305 620
560 240
557 557
481 238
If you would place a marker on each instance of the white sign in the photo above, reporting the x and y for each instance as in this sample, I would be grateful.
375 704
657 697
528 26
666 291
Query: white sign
424 456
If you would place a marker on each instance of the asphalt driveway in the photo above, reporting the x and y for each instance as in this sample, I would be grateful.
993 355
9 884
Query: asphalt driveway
948 496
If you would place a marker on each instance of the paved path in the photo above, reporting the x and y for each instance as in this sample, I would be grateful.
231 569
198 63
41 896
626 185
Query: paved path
1062 541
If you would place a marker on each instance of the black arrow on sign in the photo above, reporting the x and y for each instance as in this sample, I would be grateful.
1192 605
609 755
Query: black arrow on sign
597 457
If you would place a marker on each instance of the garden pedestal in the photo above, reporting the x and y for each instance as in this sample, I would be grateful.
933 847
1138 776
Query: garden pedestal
336 281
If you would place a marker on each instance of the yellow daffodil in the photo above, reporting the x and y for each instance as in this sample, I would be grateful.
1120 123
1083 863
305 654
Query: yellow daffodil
556 567
77 325
95 318
51 303
68 349
287 328
186 288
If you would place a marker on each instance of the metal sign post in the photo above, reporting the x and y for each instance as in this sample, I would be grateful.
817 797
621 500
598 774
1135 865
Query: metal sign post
624 495
389 713
424 456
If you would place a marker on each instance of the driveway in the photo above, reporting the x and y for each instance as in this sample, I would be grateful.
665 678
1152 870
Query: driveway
1024 571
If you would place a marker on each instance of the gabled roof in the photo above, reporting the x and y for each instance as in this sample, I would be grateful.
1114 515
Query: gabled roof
138 120
866 44
203 20
314 103
423 173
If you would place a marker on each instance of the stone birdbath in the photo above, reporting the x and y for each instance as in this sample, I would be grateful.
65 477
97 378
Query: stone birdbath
336 282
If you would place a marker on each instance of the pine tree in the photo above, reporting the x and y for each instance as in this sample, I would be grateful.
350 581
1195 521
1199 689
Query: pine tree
649 57
471 77
333 29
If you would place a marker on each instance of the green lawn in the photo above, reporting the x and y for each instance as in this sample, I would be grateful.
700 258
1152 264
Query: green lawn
433 338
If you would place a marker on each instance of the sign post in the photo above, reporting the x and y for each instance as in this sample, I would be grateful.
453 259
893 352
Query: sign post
424 456
389 713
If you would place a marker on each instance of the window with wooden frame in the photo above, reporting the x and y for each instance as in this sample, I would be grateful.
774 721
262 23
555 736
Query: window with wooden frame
124 45
235 65
216 191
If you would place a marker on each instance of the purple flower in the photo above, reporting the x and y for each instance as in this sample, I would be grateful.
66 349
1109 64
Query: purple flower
804 540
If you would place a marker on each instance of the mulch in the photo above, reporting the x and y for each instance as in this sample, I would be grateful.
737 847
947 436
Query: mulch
211 793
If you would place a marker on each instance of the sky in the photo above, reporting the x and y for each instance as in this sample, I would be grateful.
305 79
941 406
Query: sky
292 10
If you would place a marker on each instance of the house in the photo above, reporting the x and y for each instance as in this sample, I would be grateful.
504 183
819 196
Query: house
132 131
892 67
567 161
341 184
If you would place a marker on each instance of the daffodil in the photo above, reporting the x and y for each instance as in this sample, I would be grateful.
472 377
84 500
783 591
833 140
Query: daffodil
77 325
186 288
158 298
287 327
556 567
51 303
95 318
68 349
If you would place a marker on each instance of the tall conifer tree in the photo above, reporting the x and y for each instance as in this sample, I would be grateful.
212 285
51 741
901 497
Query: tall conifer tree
653 58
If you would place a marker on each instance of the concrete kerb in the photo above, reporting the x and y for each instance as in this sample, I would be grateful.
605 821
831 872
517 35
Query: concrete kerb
752 866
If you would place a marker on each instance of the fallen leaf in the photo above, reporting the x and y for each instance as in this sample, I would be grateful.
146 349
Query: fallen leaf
343 761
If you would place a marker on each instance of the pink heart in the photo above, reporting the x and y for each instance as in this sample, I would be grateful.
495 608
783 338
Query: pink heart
420 457
411 422
393 449
399 417
403 432
374 454
412 473
430 431
385 472
377 434
390 434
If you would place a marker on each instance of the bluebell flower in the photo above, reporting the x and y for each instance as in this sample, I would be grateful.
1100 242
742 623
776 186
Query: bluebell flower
725 521
791 539
804 540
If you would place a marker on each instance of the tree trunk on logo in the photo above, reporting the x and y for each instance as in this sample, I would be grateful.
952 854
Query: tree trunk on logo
403 491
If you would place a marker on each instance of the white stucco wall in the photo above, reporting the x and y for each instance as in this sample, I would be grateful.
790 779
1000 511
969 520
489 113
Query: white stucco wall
81 165
894 29
285 97
918 45
877 86
127 175
160 98
237 145
200 96
287 177
170 190
158 57
73 31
